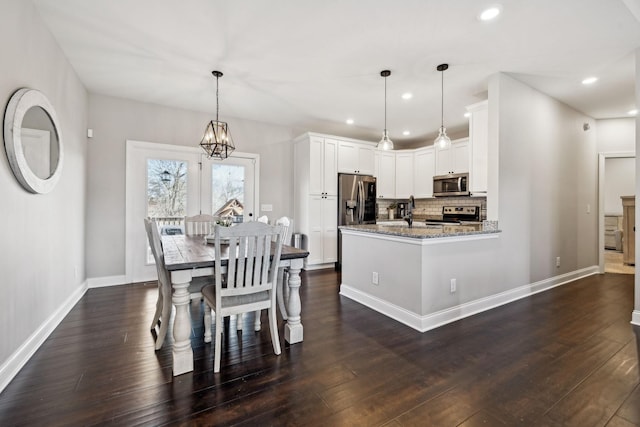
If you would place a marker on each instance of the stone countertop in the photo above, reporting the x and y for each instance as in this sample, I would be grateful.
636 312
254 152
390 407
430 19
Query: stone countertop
422 231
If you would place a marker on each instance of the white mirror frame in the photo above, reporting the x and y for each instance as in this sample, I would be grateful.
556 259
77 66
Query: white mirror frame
19 104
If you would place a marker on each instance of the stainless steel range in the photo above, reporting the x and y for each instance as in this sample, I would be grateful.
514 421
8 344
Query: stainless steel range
454 215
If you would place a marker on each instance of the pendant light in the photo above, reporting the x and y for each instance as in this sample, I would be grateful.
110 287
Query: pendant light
216 141
385 143
442 141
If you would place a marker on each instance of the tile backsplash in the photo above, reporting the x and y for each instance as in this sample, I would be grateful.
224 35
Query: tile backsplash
433 206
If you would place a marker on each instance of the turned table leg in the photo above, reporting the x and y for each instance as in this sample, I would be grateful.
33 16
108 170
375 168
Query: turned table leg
182 352
293 330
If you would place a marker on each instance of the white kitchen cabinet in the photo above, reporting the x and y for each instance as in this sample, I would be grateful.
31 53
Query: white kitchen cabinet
453 159
322 166
404 174
479 146
356 158
322 234
315 191
424 168
385 174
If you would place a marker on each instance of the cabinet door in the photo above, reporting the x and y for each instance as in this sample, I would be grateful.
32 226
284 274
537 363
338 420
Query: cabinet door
330 229
424 165
315 237
316 165
330 167
366 160
347 157
460 156
404 175
386 175
444 165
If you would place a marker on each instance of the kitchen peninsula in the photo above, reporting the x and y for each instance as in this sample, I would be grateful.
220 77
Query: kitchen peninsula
420 276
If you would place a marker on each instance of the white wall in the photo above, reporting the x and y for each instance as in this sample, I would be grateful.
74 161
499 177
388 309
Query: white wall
636 313
547 177
616 135
43 253
115 120
619 180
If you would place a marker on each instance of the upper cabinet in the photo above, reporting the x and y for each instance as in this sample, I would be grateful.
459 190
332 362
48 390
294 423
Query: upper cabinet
479 142
453 159
322 160
404 174
424 167
386 174
356 158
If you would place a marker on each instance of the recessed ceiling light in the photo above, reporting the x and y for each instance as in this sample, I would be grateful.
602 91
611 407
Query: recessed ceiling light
407 95
349 121
589 80
633 112
490 13
467 114
406 133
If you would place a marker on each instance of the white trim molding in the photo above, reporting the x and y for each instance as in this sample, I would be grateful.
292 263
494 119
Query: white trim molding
14 363
102 282
635 317
439 318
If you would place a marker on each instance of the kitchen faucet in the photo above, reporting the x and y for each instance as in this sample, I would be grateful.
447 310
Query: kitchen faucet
409 216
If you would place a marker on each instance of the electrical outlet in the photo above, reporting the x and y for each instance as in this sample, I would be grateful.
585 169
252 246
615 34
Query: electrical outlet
588 208
266 208
375 278
75 272
454 285
558 262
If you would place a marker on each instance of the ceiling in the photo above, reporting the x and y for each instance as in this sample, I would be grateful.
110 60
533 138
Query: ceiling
311 64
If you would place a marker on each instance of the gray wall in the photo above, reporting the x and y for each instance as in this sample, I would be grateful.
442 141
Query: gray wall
115 120
546 175
43 252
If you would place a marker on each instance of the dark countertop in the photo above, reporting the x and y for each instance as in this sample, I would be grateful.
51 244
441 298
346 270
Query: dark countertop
421 232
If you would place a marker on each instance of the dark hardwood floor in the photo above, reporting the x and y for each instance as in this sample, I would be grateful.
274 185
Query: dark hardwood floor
568 356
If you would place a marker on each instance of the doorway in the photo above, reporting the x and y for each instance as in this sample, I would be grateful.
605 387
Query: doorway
169 182
609 213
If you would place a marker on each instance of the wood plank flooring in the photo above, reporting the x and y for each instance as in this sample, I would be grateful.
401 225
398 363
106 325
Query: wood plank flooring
565 357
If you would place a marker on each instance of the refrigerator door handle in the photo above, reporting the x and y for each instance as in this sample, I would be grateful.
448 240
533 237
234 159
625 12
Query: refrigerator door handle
361 203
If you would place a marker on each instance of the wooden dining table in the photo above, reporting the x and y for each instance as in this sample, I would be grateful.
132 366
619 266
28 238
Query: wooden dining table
189 256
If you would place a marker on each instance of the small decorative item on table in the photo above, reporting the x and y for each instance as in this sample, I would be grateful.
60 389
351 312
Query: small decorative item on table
223 222
488 225
392 210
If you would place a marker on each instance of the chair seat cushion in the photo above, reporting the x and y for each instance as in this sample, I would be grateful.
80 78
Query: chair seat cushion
209 294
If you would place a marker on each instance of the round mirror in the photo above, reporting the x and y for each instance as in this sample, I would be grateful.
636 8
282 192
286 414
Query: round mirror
32 140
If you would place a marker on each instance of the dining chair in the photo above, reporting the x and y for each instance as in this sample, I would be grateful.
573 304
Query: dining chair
250 278
199 225
164 303
282 293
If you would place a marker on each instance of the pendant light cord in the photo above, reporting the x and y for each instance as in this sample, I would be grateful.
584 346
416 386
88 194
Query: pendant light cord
442 100
385 104
217 101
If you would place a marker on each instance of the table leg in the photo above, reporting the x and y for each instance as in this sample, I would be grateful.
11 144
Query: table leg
182 352
293 330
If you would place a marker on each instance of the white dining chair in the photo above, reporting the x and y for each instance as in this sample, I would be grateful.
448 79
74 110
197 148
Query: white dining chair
199 225
283 276
160 322
251 273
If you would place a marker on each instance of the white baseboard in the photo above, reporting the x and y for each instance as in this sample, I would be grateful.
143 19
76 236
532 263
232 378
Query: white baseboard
319 266
101 282
635 317
430 321
10 368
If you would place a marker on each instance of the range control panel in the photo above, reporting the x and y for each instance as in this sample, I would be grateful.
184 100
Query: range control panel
459 210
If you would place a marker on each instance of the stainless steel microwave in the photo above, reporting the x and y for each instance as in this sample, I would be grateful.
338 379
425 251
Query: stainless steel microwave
454 184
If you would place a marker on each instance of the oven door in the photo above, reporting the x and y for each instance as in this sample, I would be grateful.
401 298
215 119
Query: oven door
456 184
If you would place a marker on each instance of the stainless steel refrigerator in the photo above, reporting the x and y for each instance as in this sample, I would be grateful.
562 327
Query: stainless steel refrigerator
356 203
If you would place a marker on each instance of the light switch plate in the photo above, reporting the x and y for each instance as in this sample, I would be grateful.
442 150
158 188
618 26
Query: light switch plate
266 208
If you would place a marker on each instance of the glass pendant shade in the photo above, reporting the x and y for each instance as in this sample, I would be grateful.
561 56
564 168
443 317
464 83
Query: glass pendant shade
385 143
442 141
217 141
